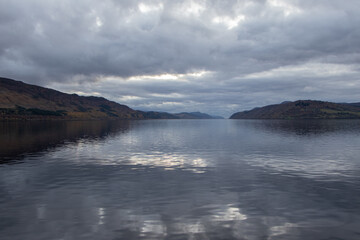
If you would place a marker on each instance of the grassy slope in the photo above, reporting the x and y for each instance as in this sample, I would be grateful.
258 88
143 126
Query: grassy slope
302 109
20 100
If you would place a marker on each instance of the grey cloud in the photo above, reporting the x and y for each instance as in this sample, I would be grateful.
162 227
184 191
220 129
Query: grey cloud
54 43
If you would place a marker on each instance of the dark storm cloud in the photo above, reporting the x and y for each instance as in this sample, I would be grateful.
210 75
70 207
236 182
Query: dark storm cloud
253 52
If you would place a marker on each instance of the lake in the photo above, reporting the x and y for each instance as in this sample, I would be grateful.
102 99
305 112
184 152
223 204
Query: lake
180 179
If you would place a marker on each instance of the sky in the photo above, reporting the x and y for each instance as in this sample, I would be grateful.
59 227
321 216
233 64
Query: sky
212 56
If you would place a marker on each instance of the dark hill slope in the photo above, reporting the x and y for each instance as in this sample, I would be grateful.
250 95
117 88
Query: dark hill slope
302 109
21 100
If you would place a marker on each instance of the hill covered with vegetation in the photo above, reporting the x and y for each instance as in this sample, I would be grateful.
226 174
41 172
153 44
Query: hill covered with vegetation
196 115
303 109
21 101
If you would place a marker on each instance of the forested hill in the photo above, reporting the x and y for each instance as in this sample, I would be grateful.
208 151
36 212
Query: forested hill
19 100
196 115
303 109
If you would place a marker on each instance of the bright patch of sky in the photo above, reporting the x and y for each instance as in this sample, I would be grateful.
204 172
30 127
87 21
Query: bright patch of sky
228 21
146 8
307 70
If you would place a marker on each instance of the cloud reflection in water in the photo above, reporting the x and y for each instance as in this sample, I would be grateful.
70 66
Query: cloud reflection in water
171 162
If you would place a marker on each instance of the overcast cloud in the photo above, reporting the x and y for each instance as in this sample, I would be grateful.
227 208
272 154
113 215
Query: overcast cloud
218 57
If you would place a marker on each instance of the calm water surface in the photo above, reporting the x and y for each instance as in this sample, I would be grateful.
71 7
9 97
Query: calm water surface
180 179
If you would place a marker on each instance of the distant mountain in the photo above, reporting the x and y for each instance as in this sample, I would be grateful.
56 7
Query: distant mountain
303 109
183 115
19 100
196 115
158 115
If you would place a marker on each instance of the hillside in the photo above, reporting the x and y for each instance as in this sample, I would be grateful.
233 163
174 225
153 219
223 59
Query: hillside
183 115
302 109
195 115
19 100
159 115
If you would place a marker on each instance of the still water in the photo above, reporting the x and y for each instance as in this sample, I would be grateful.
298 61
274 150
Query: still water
180 179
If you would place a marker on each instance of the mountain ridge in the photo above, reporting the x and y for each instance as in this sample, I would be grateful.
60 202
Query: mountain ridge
302 109
196 115
26 101
22 101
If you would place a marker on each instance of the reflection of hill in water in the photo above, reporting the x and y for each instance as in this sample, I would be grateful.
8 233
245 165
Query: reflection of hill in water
19 138
304 127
